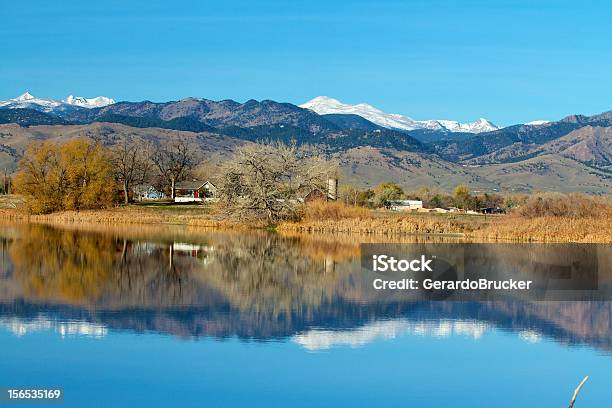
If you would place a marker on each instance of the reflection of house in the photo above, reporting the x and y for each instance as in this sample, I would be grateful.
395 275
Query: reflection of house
188 249
194 191
182 249
406 205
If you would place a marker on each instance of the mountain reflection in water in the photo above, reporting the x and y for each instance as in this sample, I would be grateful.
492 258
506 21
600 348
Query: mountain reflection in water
260 286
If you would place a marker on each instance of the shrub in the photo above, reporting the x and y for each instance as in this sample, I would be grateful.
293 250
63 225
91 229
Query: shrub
564 205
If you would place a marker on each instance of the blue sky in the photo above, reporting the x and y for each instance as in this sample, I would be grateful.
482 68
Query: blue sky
508 61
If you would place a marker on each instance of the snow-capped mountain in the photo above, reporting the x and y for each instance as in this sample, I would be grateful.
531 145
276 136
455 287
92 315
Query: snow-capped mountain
537 122
479 126
324 105
71 103
97 102
26 100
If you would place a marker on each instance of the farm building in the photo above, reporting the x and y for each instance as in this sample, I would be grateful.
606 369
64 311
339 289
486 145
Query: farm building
194 191
148 192
318 195
406 205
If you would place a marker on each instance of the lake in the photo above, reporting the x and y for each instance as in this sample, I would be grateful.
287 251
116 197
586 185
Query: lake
179 316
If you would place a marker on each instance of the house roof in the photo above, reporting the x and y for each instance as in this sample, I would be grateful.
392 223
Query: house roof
192 185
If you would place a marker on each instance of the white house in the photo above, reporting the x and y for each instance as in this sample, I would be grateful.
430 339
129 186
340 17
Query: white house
147 192
406 205
194 191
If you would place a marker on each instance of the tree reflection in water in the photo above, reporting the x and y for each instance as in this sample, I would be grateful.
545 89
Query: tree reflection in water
251 285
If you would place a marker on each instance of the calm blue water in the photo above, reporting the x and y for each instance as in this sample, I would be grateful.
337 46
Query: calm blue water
125 321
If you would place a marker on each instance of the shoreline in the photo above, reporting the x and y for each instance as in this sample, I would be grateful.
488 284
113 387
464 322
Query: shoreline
384 225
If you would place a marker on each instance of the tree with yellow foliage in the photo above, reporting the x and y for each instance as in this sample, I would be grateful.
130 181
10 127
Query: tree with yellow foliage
72 175
462 196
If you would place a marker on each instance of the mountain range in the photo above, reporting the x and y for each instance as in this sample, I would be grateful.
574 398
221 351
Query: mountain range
324 105
571 154
27 100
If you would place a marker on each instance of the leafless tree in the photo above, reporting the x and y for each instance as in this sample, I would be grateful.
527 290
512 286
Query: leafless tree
268 180
131 164
174 159
349 194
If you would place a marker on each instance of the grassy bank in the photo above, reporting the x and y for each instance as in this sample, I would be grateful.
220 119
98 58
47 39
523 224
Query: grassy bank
148 213
549 229
338 219
379 223
506 228
592 225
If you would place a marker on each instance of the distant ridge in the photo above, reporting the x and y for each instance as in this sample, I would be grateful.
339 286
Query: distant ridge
325 105
570 154
29 101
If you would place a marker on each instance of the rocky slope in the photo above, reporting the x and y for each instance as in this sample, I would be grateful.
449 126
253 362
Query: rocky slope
364 166
572 154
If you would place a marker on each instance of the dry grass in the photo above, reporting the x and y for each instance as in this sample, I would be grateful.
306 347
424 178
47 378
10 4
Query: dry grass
549 229
337 218
122 216
542 218
555 217
325 211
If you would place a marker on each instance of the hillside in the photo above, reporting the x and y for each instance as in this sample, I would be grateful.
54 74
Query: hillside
219 114
572 154
517 142
210 148
250 121
548 172
364 166
28 117
589 144
369 166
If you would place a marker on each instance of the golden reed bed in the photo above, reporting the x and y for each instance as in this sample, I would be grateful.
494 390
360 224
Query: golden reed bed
592 224
508 228
514 227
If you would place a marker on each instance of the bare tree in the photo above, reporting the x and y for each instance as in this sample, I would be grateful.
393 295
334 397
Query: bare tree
131 165
268 180
174 159
349 194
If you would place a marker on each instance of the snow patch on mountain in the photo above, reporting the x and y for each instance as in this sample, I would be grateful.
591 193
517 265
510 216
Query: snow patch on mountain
479 126
324 105
27 100
25 97
97 102
537 122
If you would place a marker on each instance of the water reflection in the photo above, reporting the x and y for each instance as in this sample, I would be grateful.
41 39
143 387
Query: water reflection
192 283
317 339
21 327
